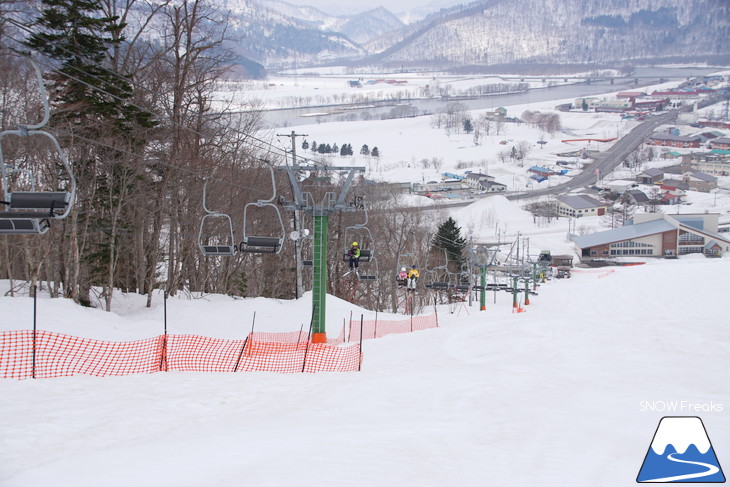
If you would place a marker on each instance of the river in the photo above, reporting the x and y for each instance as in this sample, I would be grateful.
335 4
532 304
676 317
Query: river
639 78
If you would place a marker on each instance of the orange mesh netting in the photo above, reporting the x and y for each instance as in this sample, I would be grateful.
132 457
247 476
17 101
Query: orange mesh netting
380 328
58 355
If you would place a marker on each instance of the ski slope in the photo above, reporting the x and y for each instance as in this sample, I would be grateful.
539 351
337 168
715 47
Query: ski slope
548 397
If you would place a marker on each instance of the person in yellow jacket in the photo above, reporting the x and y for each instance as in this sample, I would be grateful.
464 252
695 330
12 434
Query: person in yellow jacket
412 278
354 255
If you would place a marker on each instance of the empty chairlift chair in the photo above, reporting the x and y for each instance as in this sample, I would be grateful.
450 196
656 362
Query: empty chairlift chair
31 211
258 243
221 244
23 226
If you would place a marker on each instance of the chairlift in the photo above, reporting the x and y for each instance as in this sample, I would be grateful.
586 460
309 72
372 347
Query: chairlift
263 244
406 260
360 233
439 276
373 271
31 211
215 249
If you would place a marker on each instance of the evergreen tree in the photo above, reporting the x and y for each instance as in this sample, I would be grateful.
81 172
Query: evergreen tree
343 150
375 152
468 126
78 35
314 146
448 238
365 150
335 149
328 149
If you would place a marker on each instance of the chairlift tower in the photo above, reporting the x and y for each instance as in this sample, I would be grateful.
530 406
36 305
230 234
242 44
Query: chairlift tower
320 211
483 257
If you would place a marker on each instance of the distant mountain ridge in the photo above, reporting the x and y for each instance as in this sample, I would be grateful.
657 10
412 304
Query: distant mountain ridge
279 34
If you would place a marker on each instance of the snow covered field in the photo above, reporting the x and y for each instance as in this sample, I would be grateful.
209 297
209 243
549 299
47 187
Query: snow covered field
552 396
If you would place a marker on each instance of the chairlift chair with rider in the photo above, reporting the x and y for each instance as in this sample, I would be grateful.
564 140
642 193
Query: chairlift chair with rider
360 233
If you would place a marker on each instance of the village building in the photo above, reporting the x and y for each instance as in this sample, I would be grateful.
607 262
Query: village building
651 105
712 163
650 176
657 235
492 187
474 179
620 187
630 95
673 192
638 197
722 143
578 205
590 102
540 173
681 141
699 181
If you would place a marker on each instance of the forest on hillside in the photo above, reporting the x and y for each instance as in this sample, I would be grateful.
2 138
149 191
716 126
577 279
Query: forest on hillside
132 113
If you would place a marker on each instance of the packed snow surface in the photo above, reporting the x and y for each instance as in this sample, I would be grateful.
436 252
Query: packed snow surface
551 396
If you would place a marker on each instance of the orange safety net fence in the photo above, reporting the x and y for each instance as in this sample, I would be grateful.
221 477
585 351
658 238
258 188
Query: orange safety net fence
380 328
58 355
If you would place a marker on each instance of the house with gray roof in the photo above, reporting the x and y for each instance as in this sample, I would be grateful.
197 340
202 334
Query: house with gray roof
638 197
656 235
492 187
699 181
650 176
578 205
473 179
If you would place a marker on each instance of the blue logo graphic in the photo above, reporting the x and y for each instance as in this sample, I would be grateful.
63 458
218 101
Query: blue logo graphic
681 452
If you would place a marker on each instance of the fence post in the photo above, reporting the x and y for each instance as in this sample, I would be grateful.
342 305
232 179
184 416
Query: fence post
375 330
411 320
163 352
436 311
359 365
245 342
309 338
35 326
349 328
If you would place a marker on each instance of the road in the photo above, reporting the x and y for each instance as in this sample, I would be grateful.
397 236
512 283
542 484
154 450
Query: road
605 163
608 160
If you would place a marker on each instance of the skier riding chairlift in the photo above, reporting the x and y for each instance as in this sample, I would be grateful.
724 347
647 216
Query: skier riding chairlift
354 258
412 278
402 277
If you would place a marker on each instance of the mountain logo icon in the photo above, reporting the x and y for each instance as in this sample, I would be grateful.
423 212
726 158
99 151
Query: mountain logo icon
681 452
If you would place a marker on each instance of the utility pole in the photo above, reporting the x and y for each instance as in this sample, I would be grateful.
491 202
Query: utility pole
297 219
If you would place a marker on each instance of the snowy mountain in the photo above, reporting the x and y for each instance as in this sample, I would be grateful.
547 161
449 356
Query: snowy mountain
370 25
483 32
561 31
274 38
